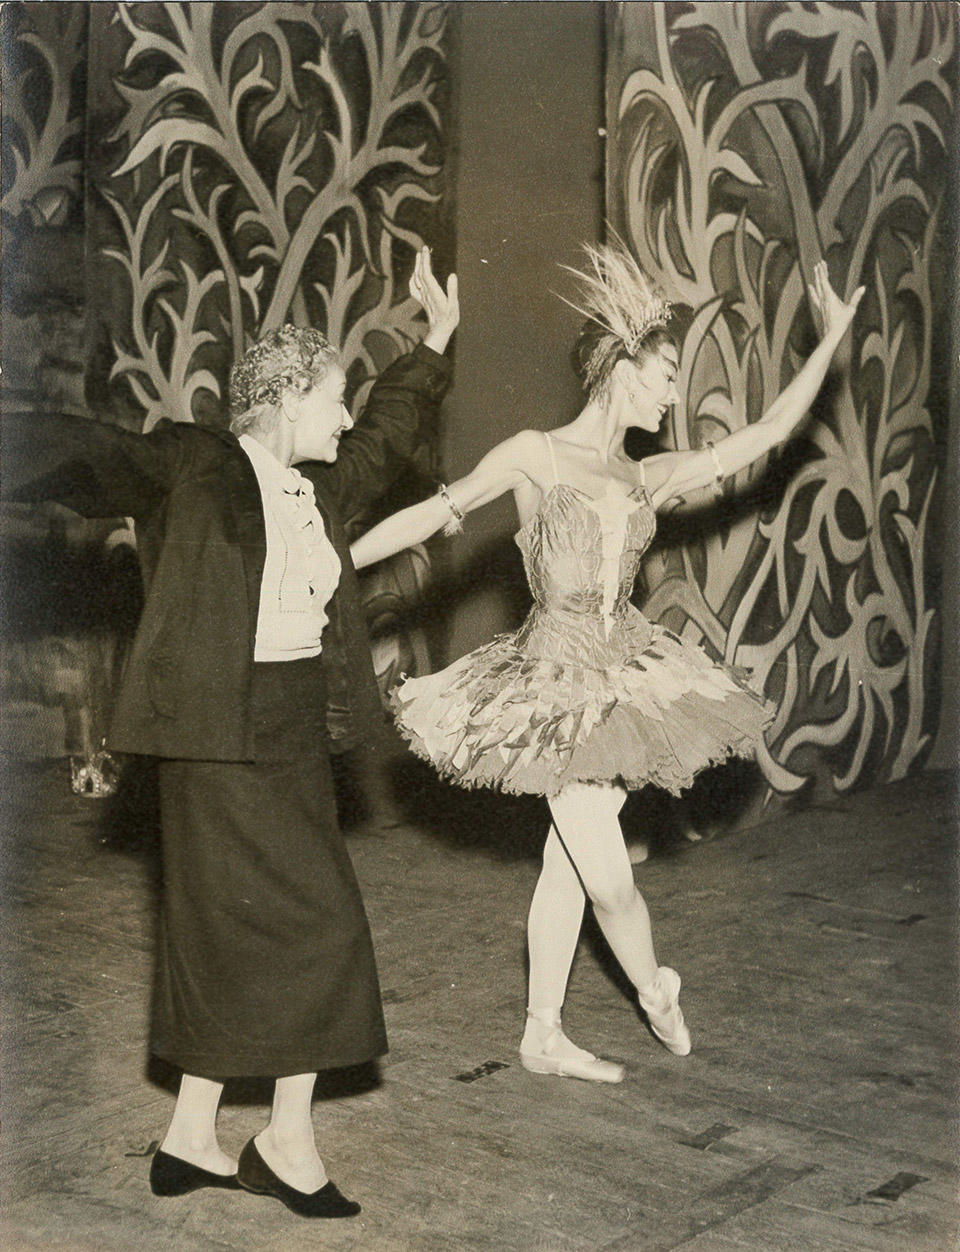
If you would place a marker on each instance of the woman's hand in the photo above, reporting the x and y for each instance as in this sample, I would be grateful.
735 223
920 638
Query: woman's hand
835 316
441 307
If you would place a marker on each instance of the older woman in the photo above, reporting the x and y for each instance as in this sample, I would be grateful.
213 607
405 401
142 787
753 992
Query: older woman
249 664
589 699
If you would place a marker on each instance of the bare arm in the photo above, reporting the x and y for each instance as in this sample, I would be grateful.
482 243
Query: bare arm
675 474
503 469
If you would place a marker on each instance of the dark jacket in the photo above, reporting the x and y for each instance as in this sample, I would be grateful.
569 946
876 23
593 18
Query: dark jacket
194 497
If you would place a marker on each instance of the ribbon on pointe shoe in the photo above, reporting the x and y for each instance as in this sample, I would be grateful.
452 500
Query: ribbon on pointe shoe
661 1003
547 1061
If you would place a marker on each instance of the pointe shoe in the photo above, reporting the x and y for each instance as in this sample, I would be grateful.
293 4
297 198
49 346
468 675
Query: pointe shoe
254 1174
171 1175
666 1022
593 1069
590 1068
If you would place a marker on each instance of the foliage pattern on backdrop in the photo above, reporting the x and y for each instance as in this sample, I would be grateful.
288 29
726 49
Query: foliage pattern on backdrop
61 597
749 141
246 164
261 163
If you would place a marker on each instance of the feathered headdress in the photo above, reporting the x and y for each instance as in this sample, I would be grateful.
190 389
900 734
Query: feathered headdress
621 302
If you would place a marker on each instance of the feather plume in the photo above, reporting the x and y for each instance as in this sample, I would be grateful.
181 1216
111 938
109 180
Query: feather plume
618 297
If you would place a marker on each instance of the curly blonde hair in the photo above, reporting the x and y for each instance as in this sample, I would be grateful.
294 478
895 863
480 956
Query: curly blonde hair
292 358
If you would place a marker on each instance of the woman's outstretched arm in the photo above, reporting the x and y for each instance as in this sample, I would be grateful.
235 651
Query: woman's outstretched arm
673 474
502 469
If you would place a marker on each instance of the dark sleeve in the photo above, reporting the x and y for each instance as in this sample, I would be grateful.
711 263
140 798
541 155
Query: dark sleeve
372 455
92 467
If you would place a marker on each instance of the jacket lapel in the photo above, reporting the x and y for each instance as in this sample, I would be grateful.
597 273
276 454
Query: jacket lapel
245 511
337 536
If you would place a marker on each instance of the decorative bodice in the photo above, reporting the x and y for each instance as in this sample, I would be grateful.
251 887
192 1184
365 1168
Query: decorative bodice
581 554
586 690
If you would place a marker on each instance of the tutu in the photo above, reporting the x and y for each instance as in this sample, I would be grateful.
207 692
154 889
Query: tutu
587 690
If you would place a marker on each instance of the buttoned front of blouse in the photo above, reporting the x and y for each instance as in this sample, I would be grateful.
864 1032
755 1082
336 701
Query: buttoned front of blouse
301 570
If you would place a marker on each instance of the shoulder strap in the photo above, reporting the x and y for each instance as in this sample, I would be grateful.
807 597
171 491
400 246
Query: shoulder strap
643 475
553 459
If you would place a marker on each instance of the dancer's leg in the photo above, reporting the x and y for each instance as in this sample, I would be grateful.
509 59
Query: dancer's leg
553 927
553 930
587 819
192 1135
287 1144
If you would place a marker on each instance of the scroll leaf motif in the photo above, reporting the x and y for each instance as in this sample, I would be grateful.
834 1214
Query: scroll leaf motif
39 125
255 182
847 652
209 123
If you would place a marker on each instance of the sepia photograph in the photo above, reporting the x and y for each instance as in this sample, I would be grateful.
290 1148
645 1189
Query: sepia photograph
479 602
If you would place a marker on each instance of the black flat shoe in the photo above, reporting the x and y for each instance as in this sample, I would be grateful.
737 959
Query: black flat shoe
254 1174
169 1175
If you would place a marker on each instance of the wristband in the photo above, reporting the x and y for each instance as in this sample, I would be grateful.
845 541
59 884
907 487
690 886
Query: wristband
717 467
455 524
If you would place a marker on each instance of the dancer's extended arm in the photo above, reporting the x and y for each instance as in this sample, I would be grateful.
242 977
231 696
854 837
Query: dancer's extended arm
501 470
673 474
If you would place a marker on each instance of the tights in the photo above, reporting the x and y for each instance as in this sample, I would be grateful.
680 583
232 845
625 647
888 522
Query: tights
584 855
286 1143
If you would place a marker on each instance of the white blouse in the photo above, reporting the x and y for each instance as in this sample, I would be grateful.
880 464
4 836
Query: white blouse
302 569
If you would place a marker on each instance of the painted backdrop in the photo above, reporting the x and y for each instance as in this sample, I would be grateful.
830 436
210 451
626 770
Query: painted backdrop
253 164
747 142
64 594
244 165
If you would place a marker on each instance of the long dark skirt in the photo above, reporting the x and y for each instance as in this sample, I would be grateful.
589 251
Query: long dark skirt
265 964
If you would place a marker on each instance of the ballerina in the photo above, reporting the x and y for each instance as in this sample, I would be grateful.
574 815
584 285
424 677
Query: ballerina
588 699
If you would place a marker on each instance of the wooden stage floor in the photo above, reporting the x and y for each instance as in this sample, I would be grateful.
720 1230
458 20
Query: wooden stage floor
819 1109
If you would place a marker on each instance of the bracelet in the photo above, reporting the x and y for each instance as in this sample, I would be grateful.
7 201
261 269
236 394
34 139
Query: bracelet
717 467
455 524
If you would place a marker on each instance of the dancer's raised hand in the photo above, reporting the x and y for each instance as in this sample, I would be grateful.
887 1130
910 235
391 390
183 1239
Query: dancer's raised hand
835 315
